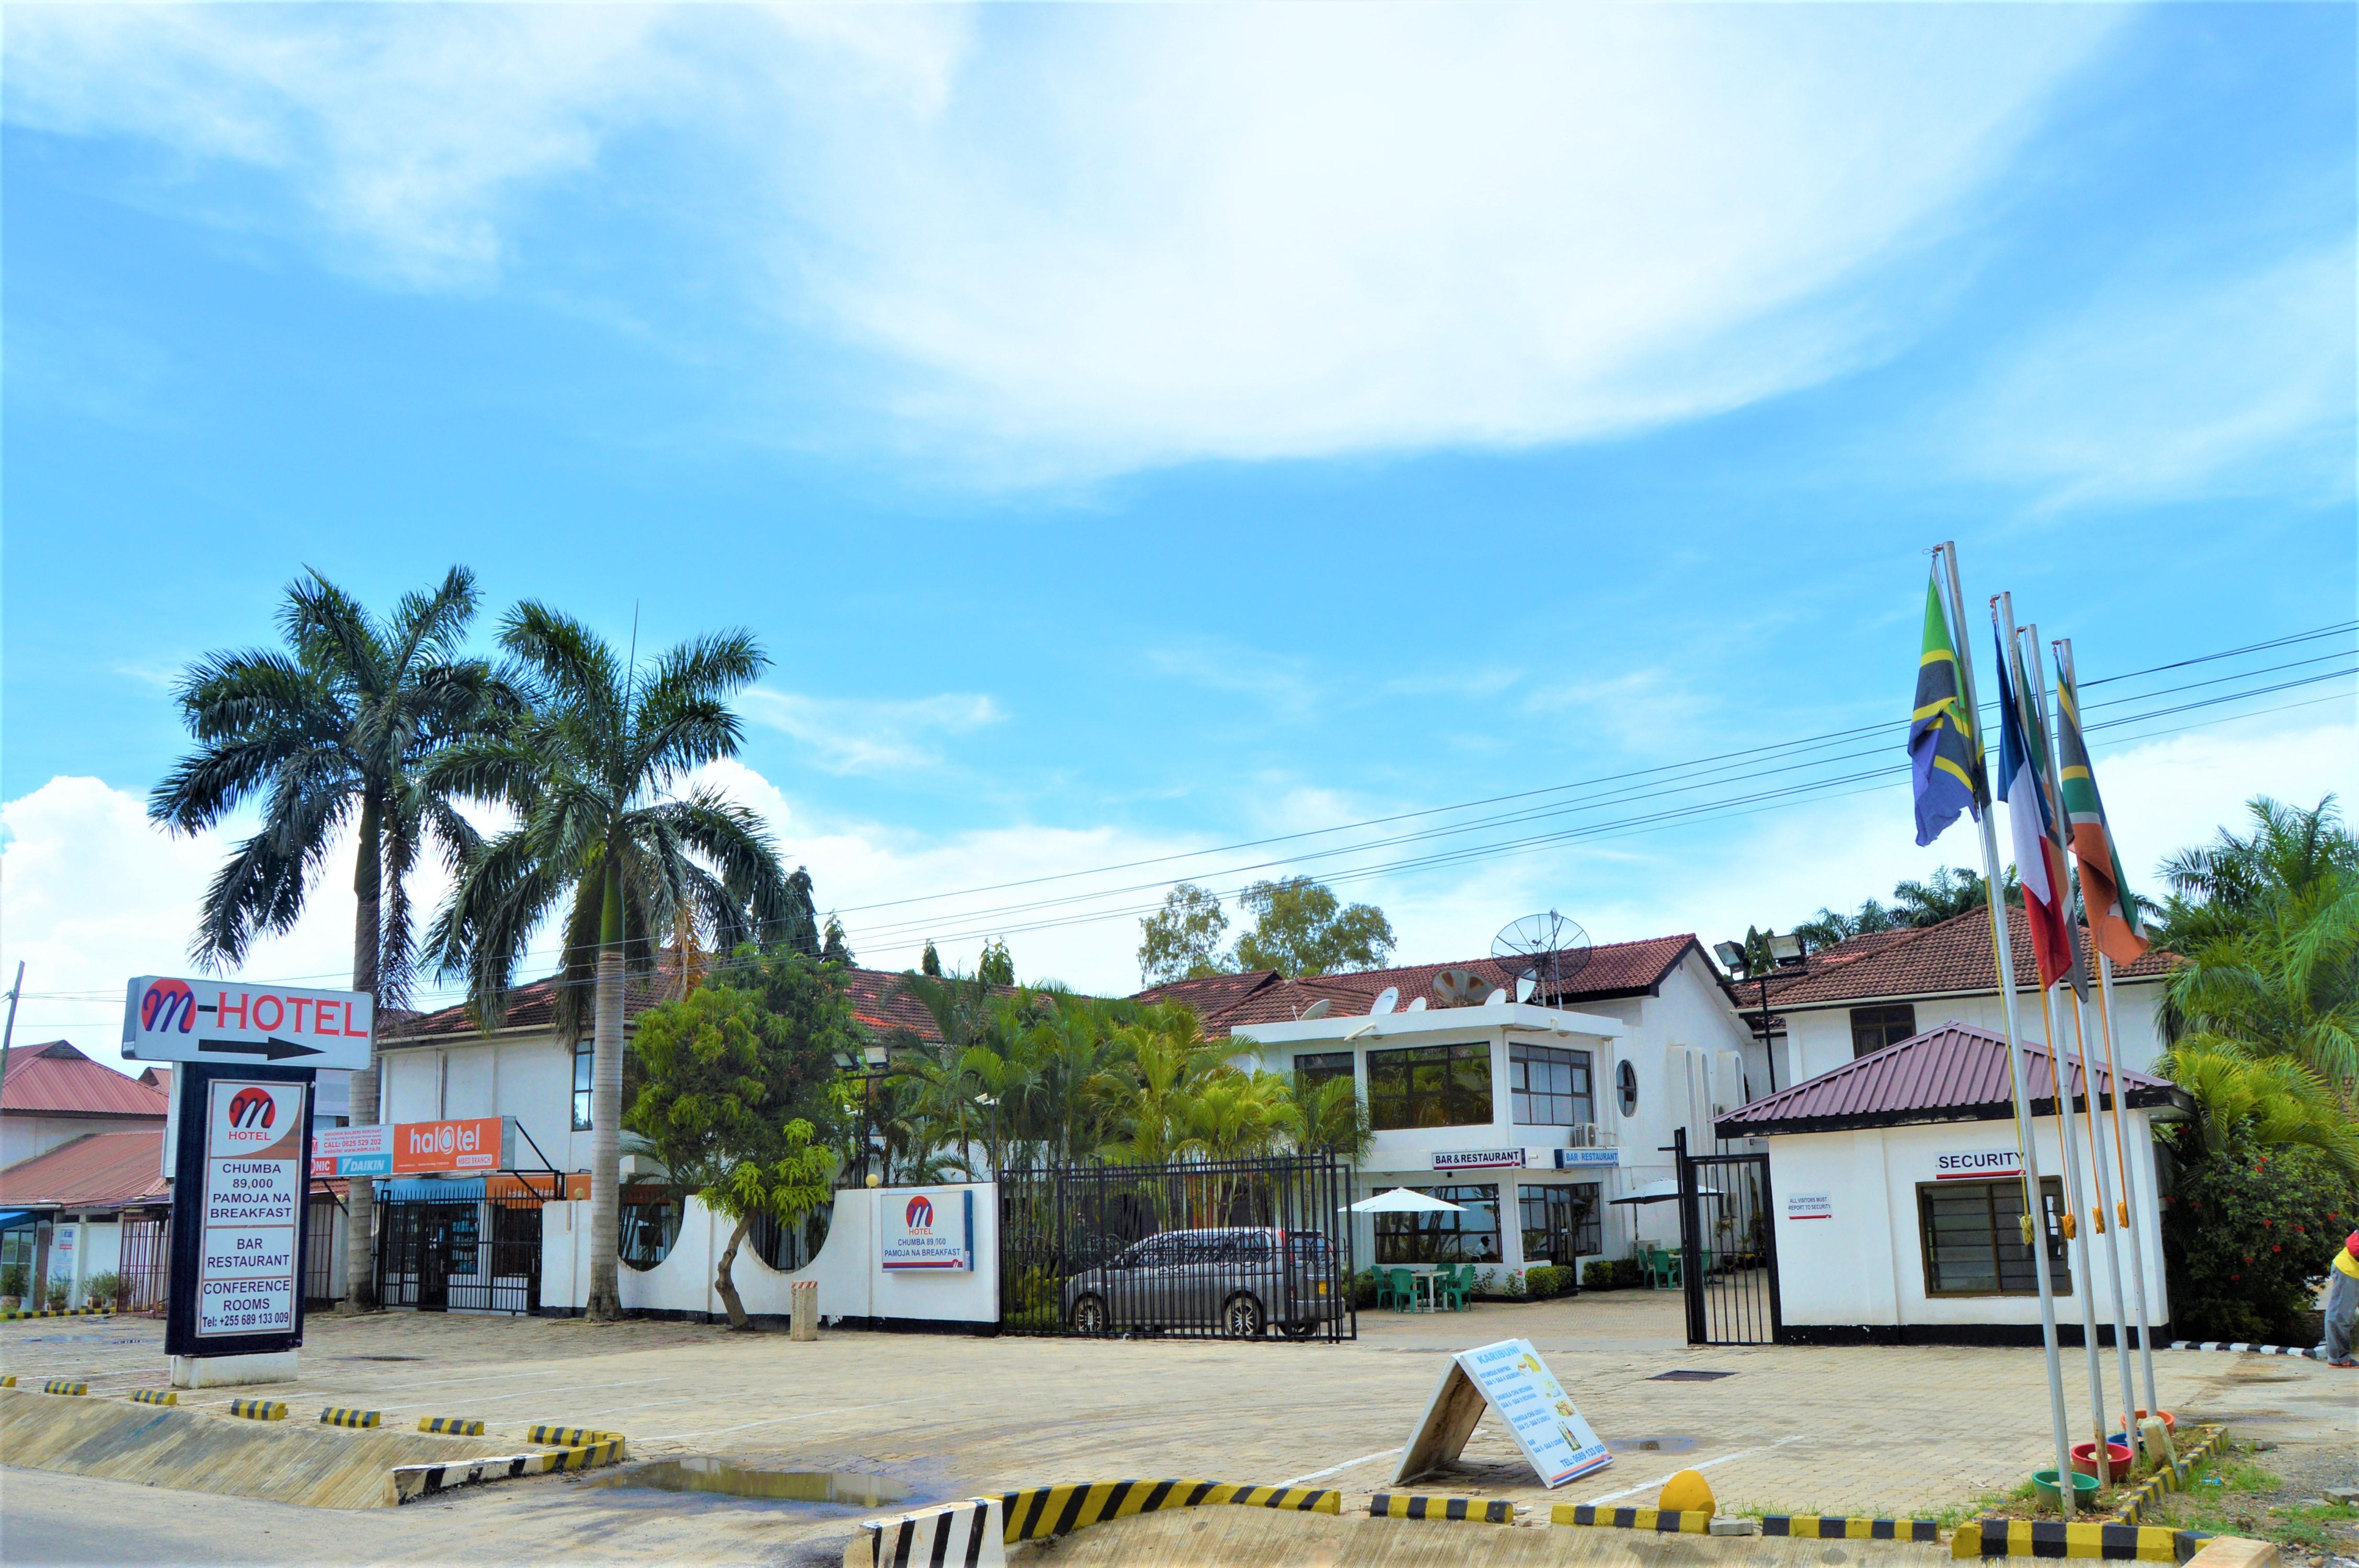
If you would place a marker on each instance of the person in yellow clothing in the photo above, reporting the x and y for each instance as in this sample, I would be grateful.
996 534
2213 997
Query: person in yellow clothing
2342 1304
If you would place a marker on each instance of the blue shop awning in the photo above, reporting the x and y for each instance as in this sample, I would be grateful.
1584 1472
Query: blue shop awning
10 1218
428 1189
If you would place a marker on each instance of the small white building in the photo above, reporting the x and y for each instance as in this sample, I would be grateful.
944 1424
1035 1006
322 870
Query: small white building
1896 1187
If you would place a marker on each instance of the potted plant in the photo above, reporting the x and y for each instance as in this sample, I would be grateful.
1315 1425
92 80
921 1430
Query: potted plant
103 1290
13 1277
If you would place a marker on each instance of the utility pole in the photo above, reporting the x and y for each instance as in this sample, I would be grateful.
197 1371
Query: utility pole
9 1033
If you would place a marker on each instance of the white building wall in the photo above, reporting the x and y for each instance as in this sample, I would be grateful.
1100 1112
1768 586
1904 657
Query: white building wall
27 1137
1821 1037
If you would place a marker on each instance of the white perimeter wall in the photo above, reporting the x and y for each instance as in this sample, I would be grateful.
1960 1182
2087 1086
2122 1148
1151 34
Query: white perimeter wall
851 1284
1865 1264
1820 1039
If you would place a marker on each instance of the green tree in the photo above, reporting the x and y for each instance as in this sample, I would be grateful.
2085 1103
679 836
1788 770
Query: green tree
995 968
730 1081
833 948
334 734
931 963
1182 939
1330 1116
1949 892
605 838
1299 929
2245 1235
1829 926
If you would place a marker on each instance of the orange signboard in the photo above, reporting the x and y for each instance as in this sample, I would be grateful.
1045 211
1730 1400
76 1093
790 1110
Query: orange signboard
473 1144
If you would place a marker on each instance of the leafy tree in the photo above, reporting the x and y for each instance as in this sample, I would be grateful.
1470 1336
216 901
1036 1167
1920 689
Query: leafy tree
2220 888
603 839
2257 1105
1330 1116
1829 926
1949 892
1299 929
996 968
731 1079
1182 939
335 733
932 962
834 950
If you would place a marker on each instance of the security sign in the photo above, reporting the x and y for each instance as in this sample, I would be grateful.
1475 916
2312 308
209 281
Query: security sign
241 1023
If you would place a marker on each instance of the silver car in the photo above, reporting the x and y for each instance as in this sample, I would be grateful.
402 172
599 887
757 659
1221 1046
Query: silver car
1238 1281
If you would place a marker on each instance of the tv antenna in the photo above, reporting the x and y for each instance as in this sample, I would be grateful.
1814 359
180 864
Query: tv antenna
1543 951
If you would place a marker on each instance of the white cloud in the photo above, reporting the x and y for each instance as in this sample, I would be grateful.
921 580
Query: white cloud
857 737
1645 710
1099 238
2163 388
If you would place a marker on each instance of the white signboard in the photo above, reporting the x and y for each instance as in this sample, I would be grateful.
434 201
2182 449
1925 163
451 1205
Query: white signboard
1976 1164
1479 1160
1510 1379
1810 1205
933 1229
237 1022
254 1185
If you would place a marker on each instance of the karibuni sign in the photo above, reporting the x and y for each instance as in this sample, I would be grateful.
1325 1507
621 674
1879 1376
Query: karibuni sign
1510 1379
932 1229
240 1024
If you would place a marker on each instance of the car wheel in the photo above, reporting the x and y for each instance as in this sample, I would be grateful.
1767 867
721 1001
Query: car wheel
1297 1330
1241 1318
1089 1317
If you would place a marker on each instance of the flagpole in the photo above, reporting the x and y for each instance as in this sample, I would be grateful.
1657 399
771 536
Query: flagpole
2003 956
2132 1211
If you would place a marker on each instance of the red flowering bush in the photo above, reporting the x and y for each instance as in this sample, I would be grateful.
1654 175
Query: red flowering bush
2226 1204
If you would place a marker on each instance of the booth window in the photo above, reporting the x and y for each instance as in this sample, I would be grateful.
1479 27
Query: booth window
1874 1028
1470 1236
1973 1239
1560 1223
1548 1086
1315 1071
1429 1086
583 1059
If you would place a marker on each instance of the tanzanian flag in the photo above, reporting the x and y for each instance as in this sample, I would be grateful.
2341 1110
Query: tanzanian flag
1945 749
2114 923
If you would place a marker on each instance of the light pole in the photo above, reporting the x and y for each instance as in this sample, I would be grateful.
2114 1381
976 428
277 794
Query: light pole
1756 958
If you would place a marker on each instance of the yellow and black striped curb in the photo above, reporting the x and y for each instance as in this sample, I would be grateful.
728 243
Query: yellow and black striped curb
155 1396
1473 1511
9 1382
463 1426
64 1385
411 1482
2170 1477
1816 1527
1669 1521
2054 1537
1034 1513
344 1416
258 1409
568 1436
13 1315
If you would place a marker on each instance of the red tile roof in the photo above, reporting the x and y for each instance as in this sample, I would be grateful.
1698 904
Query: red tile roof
873 993
1223 1002
1952 958
99 1171
56 1079
1953 1073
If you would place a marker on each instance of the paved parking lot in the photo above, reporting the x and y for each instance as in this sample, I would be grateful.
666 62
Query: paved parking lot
1834 1431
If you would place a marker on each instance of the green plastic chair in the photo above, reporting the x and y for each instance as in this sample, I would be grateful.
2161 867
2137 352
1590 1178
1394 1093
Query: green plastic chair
1451 1286
1663 1269
1401 1286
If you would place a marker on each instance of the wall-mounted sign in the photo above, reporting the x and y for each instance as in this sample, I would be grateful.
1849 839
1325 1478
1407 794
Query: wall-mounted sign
417 1148
237 1023
1511 1379
1810 1205
1480 1160
1582 1159
1975 1164
932 1229
252 1208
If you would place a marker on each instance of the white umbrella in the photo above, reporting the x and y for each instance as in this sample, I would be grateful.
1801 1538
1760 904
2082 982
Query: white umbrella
1400 1200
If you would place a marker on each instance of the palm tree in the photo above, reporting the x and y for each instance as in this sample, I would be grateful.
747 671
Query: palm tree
2267 1103
338 732
590 777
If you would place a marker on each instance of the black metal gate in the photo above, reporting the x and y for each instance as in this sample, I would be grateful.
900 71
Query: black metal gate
1728 1246
147 1262
474 1254
1236 1249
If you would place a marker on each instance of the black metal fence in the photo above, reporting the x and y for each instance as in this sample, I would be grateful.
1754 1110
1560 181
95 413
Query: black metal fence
1728 1246
1237 1248
476 1254
323 1260
147 1262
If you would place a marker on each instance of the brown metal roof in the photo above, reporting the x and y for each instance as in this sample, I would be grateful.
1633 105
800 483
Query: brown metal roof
875 995
55 1080
1952 1073
1952 958
102 1170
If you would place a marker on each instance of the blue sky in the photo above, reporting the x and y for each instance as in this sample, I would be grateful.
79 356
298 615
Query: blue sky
1132 430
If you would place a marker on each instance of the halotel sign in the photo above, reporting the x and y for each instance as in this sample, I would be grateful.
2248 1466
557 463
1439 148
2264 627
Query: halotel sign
417 1148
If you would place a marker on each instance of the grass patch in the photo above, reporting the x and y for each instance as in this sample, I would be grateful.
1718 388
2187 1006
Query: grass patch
2230 1495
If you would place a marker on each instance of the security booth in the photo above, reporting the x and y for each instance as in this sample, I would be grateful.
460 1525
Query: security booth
1895 1189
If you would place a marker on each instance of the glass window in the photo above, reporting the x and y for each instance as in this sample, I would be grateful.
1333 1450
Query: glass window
646 1230
582 1061
1874 1028
1312 1070
1429 1086
1626 1081
1560 1223
1972 1237
1548 1086
1470 1236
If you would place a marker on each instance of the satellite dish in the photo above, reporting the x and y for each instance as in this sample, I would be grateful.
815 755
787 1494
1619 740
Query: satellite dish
1546 949
1386 999
1318 1009
1459 988
1498 994
1416 1004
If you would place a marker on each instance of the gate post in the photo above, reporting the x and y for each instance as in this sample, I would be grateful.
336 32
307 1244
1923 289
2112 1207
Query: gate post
1691 1222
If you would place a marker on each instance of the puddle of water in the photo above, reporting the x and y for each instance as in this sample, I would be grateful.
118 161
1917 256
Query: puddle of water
380 1358
702 1475
1649 1444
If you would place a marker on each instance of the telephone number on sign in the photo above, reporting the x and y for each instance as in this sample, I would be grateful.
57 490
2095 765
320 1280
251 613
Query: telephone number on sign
224 1321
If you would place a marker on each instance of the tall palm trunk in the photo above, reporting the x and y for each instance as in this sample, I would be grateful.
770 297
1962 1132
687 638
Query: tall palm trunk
606 1107
360 1202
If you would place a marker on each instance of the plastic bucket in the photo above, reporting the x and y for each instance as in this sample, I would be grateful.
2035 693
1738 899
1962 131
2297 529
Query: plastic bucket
2084 1457
2043 1487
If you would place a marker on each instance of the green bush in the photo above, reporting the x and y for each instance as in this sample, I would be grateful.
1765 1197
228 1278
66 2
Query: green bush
13 1279
99 1290
1612 1274
60 1293
1363 1289
2246 1237
1545 1280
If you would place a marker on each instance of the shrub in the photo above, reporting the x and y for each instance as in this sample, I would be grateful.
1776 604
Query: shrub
1363 1289
1612 1274
99 1290
60 1293
13 1279
2245 1236
1543 1280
